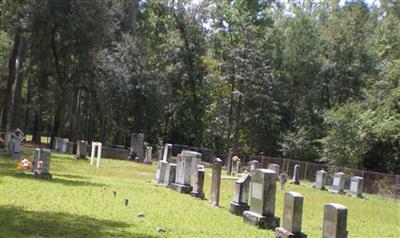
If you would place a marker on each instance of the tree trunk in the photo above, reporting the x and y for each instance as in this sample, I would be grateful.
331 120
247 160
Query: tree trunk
238 120
28 103
15 115
12 64
37 128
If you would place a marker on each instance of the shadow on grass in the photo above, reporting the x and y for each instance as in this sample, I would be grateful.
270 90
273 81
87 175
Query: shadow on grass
7 168
16 222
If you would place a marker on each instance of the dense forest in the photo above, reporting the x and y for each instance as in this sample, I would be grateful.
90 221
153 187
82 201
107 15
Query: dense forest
305 79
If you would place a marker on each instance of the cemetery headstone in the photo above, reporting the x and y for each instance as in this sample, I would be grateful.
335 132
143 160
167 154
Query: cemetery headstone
70 147
148 154
274 167
167 151
356 186
57 144
64 145
240 200
186 162
170 174
238 166
337 183
160 172
137 146
292 217
13 142
98 146
216 182
81 149
335 221
296 174
198 182
253 165
320 179
262 200
41 167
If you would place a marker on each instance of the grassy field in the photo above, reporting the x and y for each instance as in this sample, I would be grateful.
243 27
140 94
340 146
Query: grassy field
78 202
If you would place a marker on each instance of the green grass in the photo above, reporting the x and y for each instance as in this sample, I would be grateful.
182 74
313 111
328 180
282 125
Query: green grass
78 202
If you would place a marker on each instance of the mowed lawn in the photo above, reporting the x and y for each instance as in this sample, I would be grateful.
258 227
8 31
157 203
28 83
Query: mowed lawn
78 202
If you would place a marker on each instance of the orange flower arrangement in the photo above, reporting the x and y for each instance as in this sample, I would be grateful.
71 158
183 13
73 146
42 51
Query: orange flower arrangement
24 164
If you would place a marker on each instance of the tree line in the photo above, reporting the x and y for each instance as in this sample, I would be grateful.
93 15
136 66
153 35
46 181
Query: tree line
305 79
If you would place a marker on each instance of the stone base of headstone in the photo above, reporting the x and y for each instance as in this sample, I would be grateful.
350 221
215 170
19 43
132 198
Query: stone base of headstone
197 195
180 188
336 191
80 157
262 222
283 233
43 175
238 209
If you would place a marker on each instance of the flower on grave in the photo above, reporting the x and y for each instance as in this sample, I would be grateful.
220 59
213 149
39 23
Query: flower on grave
235 158
24 164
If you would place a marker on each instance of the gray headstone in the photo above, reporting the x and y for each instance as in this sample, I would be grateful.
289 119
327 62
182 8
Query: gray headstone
41 167
262 200
13 144
216 182
253 165
292 216
137 147
337 183
320 179
160 172
238 165
149 152
170 174
81 149
296 174
70 147
167 151
64 145
198 182
356 186
240 198
335 221
186 164
57 144
274 167
283 180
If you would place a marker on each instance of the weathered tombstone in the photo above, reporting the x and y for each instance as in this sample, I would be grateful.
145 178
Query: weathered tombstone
283 181
229 162
274 167
240 200
216 182
98 146
64 145
335 221
160 172
137 146
147 157
238 166
198 182
356 186
42 158
292 217
296 174
70 149
337 183
166 154
57 144
262 200
81 149
253 165
320 179
186 162
13 144
170 174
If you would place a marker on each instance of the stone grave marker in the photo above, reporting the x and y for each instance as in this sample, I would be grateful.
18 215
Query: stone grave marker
292 217
13 144
70 147
186 162
274 167
296 175
198 182
337 183
335 221
262 200
167 151
356 186
160 172
41 167
216 182
81 149
170 174
147 157
64 146
253 165
283 181
98 146
240 201
137 146
320 179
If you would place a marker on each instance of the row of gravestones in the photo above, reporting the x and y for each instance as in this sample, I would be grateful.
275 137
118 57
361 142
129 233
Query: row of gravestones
187 176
